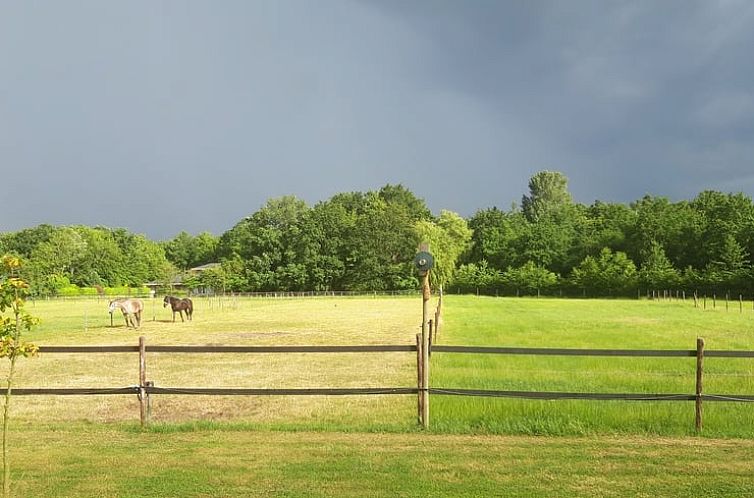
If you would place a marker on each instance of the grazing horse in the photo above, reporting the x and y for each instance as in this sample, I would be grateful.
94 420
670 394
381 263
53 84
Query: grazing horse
131 309
179 305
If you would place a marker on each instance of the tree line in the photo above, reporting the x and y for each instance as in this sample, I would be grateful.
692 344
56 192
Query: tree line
365 241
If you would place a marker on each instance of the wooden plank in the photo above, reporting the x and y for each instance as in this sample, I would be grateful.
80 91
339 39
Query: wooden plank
352 391
231 349
393 348
88 349
729 354
552 395
566 352
283 349
75 391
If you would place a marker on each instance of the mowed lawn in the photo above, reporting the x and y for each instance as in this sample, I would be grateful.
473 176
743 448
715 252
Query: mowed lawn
110 461
203 446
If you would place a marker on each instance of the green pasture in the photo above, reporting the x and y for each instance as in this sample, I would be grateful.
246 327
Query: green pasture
620 324
201 446
468 320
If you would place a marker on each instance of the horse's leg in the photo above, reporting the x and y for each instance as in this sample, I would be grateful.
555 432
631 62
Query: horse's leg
125 317
138 319
180 312
173 316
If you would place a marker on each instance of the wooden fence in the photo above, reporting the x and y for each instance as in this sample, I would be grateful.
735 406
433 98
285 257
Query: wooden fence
146 388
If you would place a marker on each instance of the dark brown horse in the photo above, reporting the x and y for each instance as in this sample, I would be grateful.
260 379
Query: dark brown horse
179 305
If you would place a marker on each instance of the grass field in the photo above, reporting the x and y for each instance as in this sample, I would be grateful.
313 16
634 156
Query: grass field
592 324
371 446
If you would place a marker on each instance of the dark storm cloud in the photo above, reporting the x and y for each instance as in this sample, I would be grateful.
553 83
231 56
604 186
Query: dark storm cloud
162 116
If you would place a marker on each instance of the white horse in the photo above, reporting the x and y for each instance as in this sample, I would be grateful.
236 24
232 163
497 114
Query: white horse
131 309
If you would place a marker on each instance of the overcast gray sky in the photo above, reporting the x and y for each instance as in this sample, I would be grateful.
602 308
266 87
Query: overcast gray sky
161 116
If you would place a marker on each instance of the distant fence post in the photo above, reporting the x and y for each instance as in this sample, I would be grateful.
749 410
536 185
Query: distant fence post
143 396
431 332
699 390
438 313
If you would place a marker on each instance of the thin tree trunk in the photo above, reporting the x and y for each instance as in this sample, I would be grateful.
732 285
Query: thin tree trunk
6 414
8 392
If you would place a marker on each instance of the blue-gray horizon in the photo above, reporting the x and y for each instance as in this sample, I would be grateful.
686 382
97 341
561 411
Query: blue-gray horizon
166 116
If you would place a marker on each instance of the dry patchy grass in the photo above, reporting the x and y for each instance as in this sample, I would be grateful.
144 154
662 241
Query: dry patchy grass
236 321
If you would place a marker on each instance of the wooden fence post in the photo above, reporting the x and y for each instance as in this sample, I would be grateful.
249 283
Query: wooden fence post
424 390
418 378
143 396
699 373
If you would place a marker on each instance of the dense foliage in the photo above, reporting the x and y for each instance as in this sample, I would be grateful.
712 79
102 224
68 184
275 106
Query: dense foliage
366 241
702 245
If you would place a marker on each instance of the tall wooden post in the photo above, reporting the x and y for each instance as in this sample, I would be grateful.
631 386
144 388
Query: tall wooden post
143 401
699 389
426 294
419 377
424 263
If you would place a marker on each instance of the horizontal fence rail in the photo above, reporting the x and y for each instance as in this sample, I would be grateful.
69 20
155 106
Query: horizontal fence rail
230 349
591 352
593 396
79 391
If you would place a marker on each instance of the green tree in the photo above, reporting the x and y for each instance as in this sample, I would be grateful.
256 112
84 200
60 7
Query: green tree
553 219
476 277
548 197
23 242
609 273
497 238
657 272
382 247
178 250
448 238
398 195
603 225
675 226
267 240
185 251
530 278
